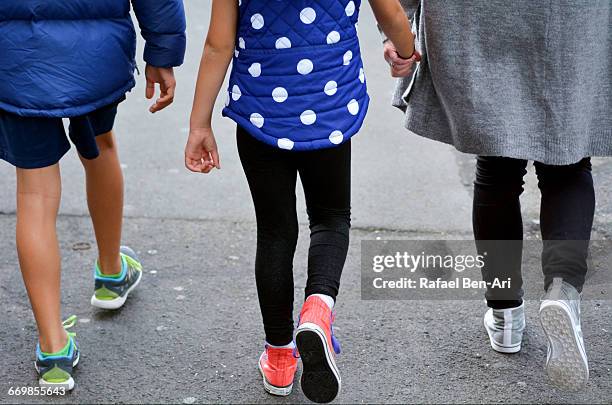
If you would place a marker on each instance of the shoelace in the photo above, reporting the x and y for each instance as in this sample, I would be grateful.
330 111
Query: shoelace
69 323
133 263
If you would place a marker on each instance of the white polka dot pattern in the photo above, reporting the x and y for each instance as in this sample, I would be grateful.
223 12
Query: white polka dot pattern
348 57
308 15
280 95
336 137
255 69
350 8
310 98
333 37
308 117
257 21
305 67
285 143
331 88
236 93
257 120
283 43
353 107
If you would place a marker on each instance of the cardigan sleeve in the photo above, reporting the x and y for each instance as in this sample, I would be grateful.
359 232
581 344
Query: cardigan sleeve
162 25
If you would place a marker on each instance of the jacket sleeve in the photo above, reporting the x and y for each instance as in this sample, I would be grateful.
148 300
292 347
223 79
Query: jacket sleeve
410 7
162 25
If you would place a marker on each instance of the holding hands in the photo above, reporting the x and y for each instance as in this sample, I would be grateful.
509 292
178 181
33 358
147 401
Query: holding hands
399 47
400 67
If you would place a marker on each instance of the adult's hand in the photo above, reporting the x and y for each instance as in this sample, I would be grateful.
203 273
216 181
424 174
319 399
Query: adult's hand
400 67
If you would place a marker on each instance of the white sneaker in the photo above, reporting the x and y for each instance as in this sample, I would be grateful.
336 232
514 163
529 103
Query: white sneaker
505 328
567 366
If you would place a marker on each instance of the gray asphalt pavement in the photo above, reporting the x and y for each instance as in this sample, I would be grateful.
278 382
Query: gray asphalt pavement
192 331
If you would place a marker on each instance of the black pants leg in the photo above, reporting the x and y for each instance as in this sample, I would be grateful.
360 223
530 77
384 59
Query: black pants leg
498 225
272 180
566 220
272 175
326 178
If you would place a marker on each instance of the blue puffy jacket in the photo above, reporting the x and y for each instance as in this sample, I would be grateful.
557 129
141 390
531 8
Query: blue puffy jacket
65 58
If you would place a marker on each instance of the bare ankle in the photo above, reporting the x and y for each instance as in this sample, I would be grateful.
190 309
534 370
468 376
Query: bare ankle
110 267
53 343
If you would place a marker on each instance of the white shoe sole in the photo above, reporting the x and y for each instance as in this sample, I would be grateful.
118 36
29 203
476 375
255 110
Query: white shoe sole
505 349
567 366
272 389
68 385
114 303
496 346
320 379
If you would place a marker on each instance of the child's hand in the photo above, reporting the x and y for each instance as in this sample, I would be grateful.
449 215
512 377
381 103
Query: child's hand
201 155
167 85
400 67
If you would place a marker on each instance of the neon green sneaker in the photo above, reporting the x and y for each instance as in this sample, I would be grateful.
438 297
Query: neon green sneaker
55 369
112 292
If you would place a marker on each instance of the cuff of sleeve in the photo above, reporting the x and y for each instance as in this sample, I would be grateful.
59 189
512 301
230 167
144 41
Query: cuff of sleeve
165 50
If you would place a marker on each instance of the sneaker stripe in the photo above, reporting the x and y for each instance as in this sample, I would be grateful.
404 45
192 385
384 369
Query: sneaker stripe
508 327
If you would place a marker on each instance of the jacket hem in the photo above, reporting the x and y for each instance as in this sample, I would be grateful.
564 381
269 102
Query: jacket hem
315 144
594 148
69 112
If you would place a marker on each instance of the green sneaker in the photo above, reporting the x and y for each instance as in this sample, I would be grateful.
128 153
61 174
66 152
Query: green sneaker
112 292
55 369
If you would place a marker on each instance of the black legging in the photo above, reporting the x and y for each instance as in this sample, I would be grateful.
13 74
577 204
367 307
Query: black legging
566 219
272 174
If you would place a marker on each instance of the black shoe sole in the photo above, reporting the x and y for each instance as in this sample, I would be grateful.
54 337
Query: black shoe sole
319 381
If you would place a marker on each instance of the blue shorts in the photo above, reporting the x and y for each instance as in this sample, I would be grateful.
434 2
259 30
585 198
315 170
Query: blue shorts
37 142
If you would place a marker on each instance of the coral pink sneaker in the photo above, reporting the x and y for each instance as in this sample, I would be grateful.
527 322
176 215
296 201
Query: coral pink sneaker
317 347
277 367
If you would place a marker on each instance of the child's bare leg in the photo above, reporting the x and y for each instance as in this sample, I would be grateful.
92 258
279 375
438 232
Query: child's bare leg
38 199
105 201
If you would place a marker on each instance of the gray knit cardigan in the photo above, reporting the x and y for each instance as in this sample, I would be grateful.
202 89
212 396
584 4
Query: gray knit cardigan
527 79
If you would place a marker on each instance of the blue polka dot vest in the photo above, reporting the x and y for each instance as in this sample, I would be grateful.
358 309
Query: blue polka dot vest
297 80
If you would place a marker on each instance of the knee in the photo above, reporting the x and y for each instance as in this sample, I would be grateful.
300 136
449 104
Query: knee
278 234
330 219
500 174
106 142
39 184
